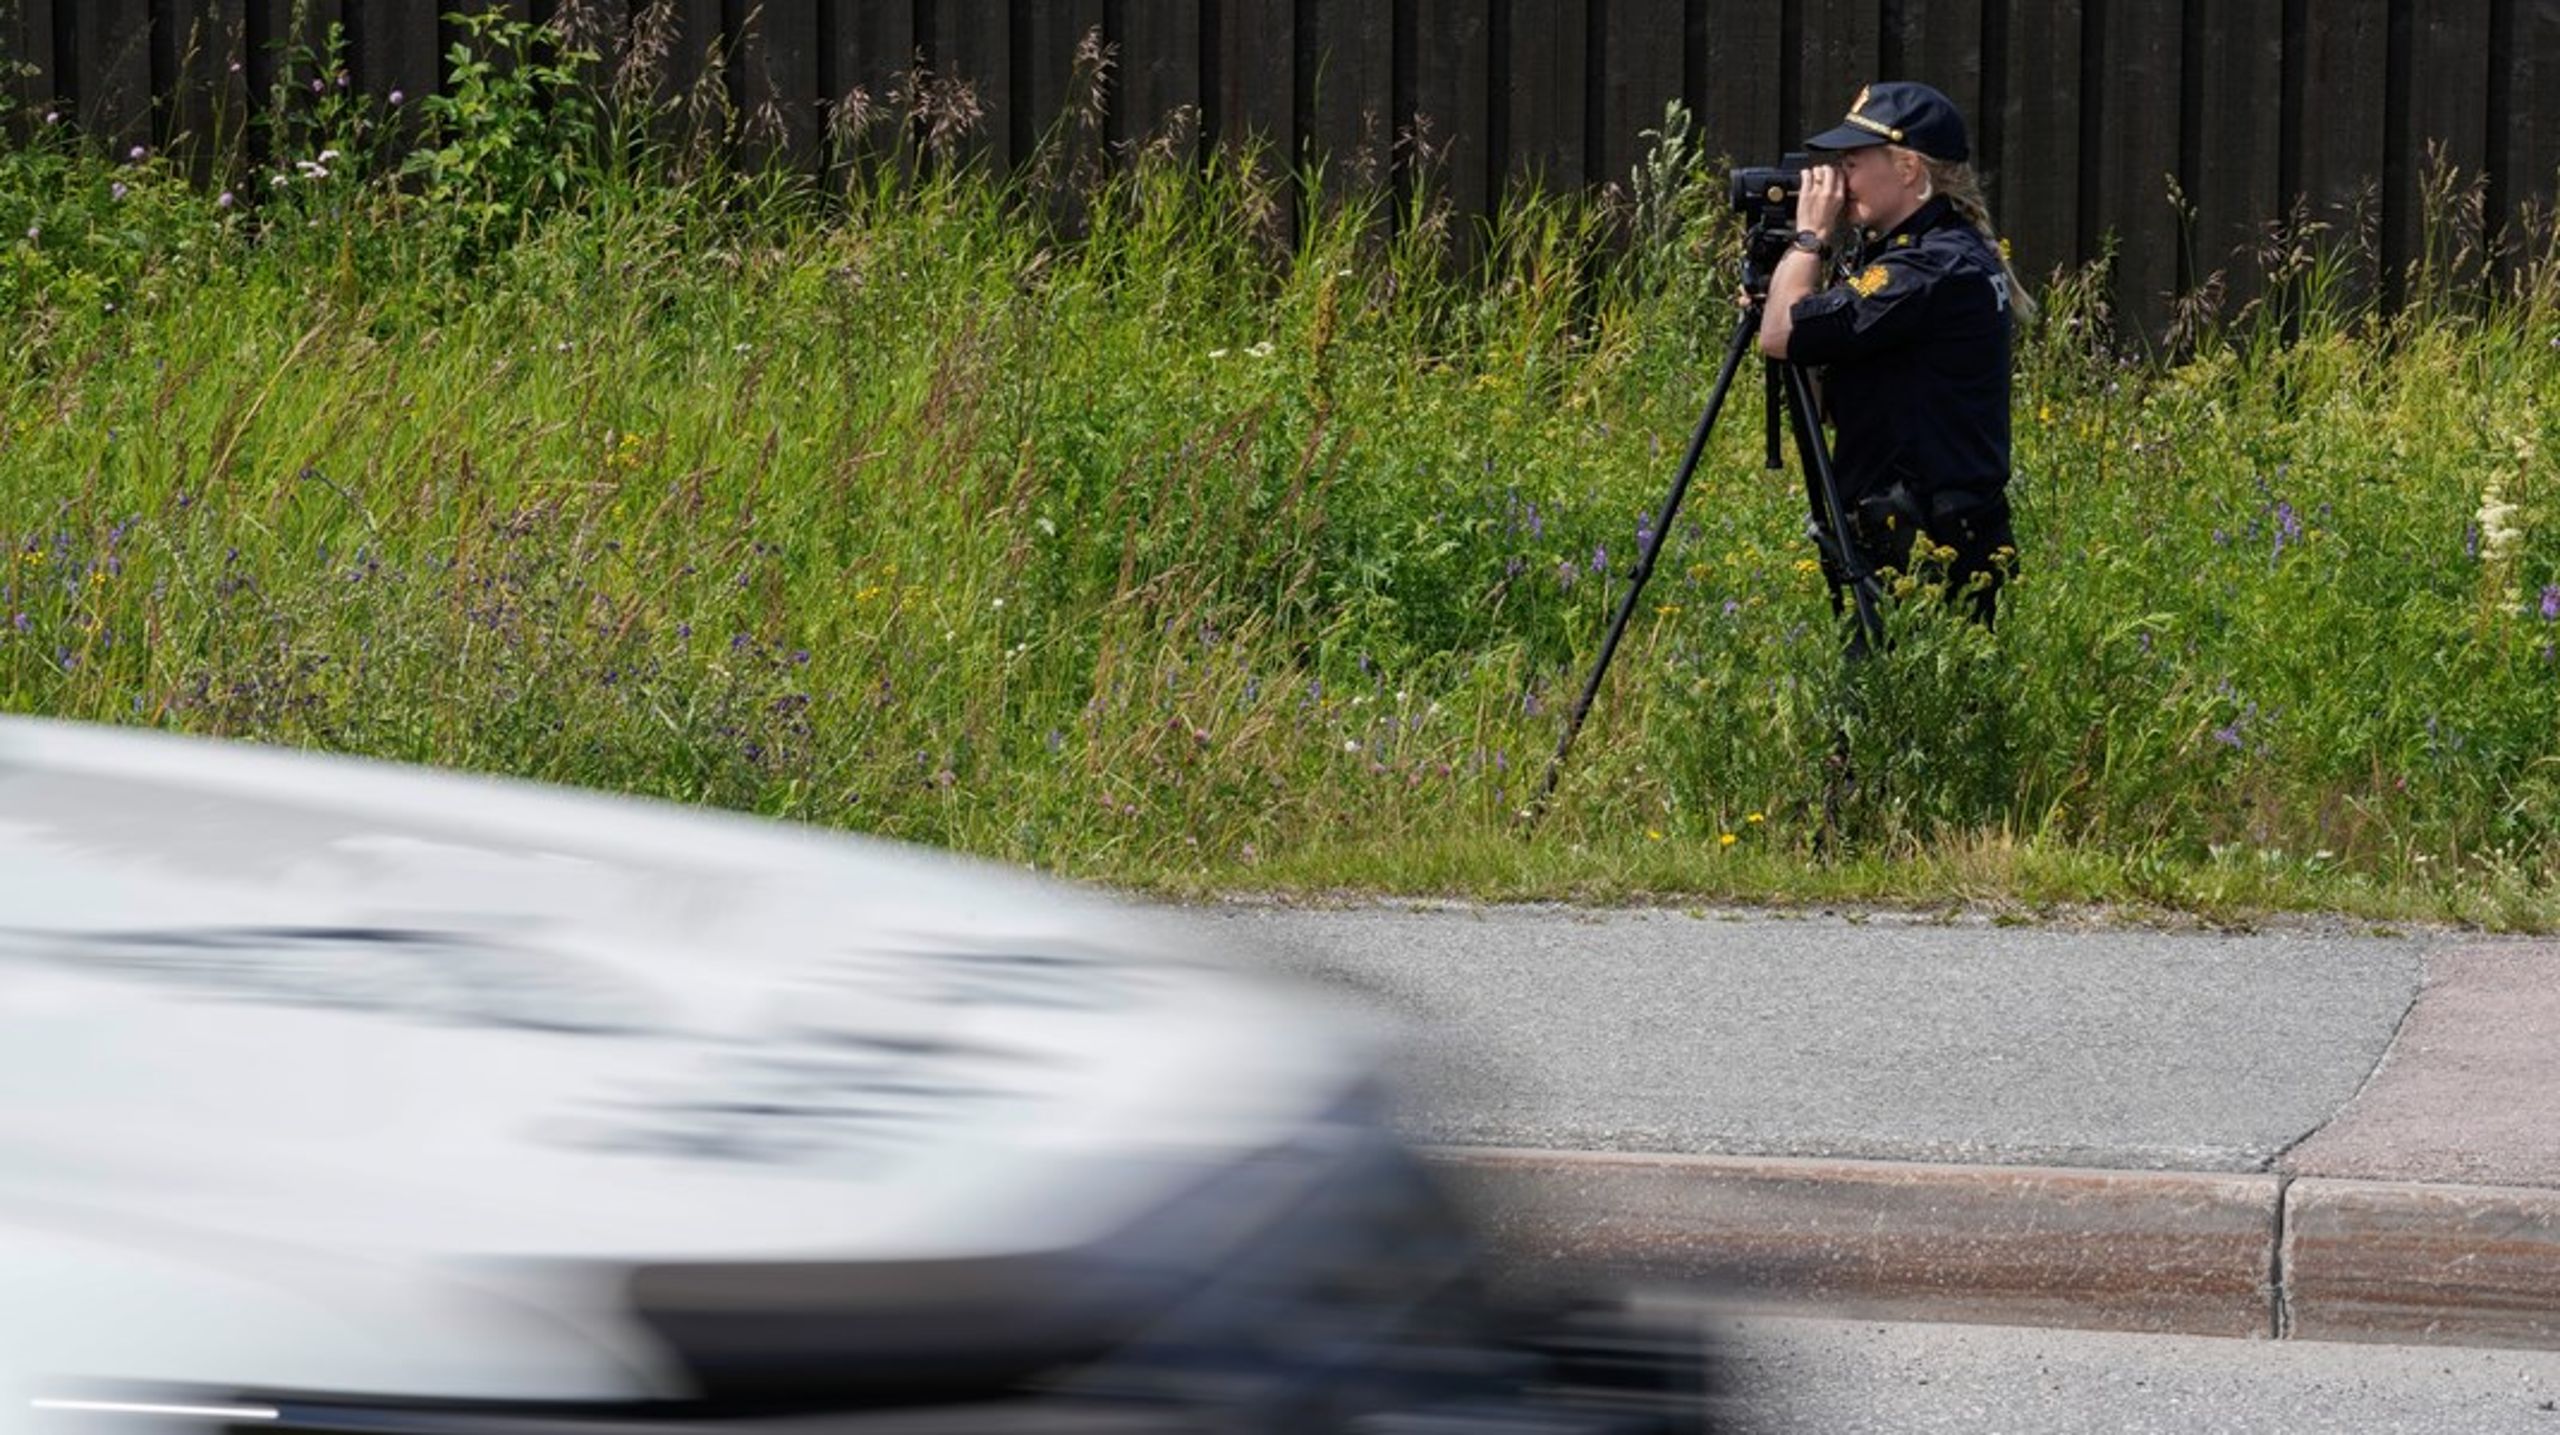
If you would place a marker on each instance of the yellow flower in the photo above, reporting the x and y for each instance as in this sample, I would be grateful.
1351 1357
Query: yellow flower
1727 840
1756 817
1653 834
1808 565
1667 610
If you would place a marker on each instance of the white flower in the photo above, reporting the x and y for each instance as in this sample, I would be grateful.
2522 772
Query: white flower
1350 744
1217 353
1261 350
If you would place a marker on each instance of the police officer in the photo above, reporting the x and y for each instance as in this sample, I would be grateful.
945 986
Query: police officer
1914 340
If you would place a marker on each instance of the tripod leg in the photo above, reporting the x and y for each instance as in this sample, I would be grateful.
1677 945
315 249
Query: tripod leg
1823 491
1746 330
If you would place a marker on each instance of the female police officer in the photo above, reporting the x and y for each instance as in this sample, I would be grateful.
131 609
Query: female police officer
1914 342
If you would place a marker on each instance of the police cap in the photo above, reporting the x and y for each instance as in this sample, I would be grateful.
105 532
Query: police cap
1903 112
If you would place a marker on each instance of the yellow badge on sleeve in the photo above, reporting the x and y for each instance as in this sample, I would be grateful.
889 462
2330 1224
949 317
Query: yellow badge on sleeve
1871 283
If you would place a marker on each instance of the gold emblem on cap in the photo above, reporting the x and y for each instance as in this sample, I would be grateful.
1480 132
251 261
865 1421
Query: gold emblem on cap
1860 102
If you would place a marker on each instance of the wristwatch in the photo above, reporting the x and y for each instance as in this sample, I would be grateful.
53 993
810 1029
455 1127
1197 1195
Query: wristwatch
1808 240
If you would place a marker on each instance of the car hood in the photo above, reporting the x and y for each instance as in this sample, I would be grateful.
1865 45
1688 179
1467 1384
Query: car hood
256 1001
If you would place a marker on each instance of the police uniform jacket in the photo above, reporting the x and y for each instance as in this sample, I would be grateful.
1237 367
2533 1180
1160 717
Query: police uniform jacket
1915 347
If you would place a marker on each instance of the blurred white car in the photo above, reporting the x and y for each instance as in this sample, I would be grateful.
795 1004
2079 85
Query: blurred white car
338 1096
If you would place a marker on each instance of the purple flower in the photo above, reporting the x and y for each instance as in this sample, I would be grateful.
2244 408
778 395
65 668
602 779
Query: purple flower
316 86
116 190
2551 602
138 153
2471 540
396 97
1600 559
223 200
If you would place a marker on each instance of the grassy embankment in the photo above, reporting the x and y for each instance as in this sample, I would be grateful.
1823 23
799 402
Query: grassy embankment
1184 557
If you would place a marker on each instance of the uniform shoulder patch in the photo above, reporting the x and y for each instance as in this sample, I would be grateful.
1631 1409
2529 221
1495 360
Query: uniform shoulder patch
1871 283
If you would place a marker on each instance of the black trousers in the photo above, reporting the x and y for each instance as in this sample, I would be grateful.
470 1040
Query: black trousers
1975 525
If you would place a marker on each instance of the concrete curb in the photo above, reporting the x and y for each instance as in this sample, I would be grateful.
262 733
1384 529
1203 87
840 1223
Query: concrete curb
2230 1254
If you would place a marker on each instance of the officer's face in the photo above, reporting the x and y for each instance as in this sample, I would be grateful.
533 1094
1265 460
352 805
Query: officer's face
1884 187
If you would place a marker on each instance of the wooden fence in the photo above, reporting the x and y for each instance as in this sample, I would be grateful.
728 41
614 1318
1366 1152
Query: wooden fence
2085 112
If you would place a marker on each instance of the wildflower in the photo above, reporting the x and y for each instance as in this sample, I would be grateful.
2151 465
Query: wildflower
312 169
1756 818
138 153
223 200
2551 602
1653 834
2499 537
1600 558
53 117
1727 840
117 190
1217 353
1261 350
1350 744
395 98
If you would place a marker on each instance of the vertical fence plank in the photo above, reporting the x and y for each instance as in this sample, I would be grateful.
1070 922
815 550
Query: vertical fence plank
697 58
865 54
1351 124
2139 60
2233 159
1159 73
972 44
27 42
1941 45
1544 85
2036 190
394 47
1257 40
1840 53
1736 92
2529 122
1642 54
1452 82
111 69
2447 121
1045 65
2344 77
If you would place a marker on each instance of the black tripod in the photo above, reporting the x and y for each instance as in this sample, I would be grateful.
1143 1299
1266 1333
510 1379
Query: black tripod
1788 384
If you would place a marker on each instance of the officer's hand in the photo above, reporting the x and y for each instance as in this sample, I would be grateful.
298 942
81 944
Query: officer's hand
1825 193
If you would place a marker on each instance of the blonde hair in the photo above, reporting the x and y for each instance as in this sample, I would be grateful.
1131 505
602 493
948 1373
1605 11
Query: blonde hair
1963 189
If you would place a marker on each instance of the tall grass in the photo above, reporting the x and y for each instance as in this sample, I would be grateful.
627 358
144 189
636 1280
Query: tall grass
1199 523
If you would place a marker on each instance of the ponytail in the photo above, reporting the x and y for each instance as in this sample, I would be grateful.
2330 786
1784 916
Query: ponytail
1963 191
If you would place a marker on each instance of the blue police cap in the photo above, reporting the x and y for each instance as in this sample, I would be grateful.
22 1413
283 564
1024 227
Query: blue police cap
1903 112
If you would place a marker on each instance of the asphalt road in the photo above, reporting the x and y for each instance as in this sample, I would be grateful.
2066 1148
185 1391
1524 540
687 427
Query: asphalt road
1875 1037
1805 1377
